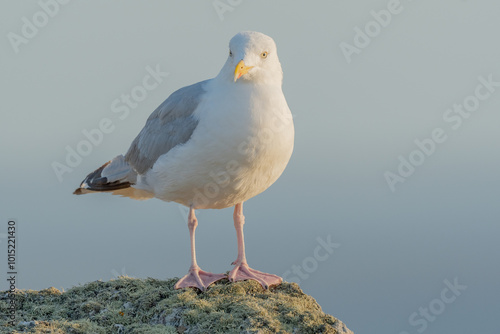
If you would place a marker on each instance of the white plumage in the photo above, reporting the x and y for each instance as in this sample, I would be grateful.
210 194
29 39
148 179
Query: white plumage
214 144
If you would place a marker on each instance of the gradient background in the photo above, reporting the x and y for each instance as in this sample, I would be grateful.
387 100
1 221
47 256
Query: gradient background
352 122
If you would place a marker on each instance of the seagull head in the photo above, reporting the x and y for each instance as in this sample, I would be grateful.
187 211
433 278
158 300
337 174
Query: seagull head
252 59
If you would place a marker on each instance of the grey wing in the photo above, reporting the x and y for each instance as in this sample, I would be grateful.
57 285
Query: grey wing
171 124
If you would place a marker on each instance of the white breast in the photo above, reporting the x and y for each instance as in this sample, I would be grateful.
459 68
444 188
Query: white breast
240 147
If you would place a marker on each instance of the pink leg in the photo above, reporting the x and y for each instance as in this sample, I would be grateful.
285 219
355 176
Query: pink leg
241 269
196 277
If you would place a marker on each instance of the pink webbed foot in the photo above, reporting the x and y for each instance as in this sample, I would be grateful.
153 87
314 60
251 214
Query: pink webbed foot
242 272
197 278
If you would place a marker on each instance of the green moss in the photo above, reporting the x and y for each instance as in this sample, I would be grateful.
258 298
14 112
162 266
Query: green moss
128 305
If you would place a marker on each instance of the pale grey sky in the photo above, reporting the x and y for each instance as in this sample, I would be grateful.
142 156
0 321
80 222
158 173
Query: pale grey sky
365 81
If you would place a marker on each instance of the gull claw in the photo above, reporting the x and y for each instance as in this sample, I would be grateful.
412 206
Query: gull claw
197 278
242 272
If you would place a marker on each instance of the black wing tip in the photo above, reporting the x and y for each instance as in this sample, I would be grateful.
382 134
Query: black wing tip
95 182
101 188
78 192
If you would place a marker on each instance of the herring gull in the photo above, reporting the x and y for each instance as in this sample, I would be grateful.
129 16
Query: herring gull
212 145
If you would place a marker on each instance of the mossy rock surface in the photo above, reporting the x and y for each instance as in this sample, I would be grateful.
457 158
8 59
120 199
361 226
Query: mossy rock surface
129 305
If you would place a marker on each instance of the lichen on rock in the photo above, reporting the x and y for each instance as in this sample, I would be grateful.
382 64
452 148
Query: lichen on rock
129 305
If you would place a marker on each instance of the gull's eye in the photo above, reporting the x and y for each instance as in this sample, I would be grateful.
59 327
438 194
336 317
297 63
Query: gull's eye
230 53
264 54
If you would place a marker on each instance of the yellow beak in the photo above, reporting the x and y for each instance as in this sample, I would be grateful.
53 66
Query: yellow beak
240 70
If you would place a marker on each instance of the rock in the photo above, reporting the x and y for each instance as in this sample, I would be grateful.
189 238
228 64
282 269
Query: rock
120 328
27 324
128 305
340 327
